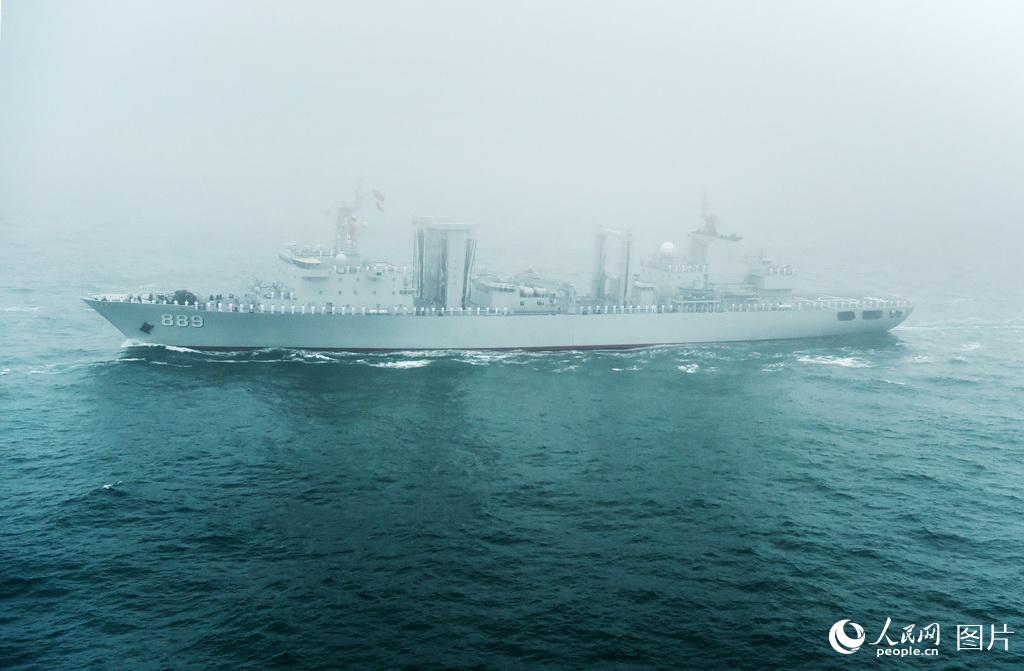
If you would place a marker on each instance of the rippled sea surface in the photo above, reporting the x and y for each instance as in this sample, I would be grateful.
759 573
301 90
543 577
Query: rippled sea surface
716 506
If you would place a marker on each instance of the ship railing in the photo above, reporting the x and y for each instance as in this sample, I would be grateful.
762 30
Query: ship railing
373 267
686 268
780 270
405 310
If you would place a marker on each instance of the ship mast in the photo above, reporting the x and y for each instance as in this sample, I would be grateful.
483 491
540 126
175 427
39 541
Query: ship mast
346 226
710 218
345 230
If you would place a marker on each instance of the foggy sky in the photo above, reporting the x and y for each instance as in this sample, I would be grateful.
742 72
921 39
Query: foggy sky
537 120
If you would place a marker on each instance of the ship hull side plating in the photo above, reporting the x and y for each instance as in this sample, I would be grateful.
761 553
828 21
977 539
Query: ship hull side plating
145 323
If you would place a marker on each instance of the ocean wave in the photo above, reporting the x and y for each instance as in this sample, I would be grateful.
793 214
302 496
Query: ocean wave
303 355
487 358
828 360
20 308
176 348
689 368
134 344
702 355
399 364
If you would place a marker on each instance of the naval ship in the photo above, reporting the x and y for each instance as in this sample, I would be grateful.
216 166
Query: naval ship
334 299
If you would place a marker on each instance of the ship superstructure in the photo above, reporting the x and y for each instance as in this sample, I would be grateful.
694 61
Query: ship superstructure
334 298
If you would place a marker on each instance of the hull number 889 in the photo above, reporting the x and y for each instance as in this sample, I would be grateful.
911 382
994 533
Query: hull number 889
195 321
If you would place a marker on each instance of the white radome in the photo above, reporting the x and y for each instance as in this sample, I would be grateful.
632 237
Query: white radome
667 250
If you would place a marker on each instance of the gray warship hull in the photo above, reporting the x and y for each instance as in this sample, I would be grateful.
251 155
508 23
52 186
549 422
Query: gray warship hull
206 326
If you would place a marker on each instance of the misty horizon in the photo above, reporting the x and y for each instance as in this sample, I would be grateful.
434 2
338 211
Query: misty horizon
841 126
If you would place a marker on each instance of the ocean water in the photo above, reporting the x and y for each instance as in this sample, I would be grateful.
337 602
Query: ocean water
717 506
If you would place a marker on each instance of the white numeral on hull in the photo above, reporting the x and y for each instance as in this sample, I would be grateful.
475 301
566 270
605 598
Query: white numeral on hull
194 321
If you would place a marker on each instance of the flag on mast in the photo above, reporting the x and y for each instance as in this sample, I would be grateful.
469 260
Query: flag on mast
379 198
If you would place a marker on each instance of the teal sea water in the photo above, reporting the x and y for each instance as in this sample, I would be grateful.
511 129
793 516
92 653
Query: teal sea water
717 506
